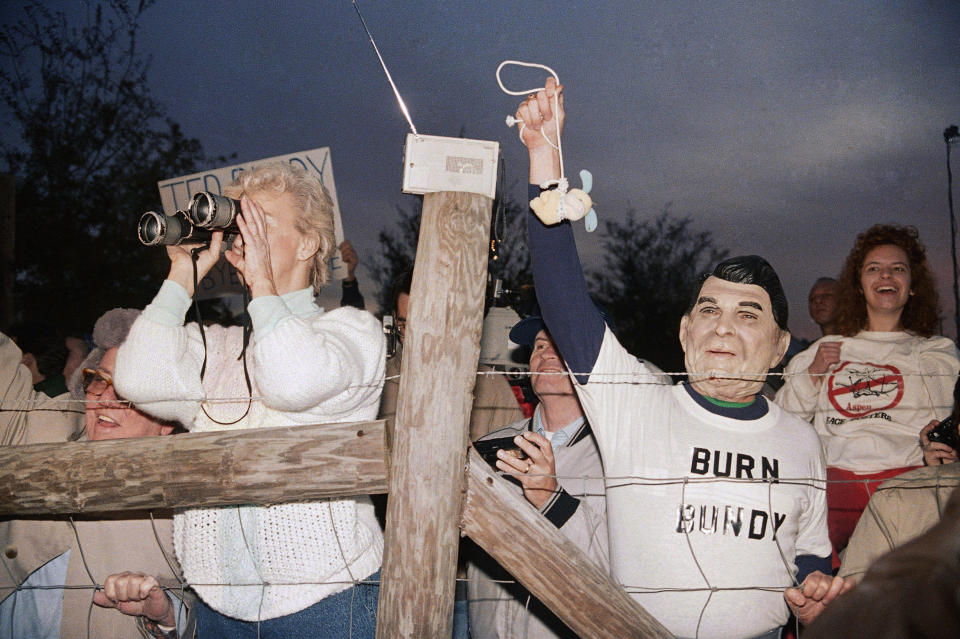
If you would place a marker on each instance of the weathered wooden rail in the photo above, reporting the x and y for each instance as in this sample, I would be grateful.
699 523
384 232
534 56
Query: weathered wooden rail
259 466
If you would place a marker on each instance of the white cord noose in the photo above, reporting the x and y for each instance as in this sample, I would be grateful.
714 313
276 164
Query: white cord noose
553 207
562 182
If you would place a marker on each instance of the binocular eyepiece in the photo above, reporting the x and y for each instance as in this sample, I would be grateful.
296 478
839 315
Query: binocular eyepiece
208 212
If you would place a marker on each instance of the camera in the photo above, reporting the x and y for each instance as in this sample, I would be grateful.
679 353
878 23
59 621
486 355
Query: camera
392 335
488 448
946 433
208 212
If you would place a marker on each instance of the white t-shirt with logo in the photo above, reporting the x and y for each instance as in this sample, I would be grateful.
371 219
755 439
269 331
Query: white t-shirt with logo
870 409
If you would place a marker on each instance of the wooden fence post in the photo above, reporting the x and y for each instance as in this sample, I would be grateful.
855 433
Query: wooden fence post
441 350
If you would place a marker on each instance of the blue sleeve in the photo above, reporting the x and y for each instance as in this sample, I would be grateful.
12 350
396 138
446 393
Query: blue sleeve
568 311
350 294
807 564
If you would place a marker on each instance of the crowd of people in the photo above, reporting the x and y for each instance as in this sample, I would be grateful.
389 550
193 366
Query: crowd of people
734 506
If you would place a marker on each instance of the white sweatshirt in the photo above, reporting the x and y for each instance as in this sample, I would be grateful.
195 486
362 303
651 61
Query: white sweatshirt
870 409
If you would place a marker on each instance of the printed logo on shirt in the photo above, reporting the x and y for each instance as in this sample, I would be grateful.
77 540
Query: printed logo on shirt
722 463
728 519
857 389
736 521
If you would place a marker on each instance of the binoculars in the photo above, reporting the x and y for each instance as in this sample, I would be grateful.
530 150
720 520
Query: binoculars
208 212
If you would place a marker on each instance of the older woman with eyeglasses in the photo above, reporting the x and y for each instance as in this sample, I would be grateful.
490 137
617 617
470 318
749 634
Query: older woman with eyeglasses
107 416
313 566
42 556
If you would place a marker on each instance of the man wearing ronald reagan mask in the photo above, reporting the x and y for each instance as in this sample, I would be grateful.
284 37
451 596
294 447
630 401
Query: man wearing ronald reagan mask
715 497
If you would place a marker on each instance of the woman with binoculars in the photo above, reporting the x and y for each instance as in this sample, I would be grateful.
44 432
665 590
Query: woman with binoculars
289 570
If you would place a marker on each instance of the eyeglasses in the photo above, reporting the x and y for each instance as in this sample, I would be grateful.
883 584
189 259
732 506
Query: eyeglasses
95 382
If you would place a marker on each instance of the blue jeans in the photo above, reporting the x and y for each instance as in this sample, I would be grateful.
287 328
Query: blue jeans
461 624
330 618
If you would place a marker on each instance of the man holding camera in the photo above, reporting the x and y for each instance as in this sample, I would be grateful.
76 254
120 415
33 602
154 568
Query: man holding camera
557 465
704 551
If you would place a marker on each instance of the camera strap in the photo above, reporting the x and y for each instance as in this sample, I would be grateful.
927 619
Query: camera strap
247 331
194 256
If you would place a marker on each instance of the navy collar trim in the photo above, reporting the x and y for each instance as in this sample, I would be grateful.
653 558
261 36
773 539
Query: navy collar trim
756 410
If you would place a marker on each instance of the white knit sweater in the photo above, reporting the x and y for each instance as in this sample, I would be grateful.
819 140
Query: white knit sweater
306 367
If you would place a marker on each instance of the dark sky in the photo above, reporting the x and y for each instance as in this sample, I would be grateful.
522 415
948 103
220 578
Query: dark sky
783 127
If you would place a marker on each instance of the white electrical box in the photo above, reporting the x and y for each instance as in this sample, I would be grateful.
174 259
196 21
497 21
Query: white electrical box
432 163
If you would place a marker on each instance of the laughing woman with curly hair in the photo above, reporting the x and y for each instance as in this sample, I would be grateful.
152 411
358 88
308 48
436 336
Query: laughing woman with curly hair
871 390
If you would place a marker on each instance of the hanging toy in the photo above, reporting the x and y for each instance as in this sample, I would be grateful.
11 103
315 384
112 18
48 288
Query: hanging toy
554 206
562 203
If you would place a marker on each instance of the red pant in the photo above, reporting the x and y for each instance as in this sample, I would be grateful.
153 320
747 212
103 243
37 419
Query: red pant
847 496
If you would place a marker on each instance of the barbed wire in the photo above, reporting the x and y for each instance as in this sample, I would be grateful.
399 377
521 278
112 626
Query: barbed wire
596 377
708 589
611 482
634 588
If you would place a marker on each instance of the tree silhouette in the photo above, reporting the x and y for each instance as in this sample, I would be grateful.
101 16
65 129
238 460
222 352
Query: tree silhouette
650 269
398 248
86 143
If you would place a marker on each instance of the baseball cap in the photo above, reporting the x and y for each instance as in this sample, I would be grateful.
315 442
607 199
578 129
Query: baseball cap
525 331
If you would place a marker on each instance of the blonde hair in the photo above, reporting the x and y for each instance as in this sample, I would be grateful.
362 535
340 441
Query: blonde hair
314 206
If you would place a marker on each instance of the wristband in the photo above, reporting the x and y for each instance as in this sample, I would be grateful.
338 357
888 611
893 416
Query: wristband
159 631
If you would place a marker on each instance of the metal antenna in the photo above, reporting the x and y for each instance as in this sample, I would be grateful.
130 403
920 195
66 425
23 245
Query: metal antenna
403 106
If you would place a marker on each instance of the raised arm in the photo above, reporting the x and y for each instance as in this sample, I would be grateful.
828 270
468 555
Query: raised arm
567 309
799 393
158 366
939 365
302 363
350 295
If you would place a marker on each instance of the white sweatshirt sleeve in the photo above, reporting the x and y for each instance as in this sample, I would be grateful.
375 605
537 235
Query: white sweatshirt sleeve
158 366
